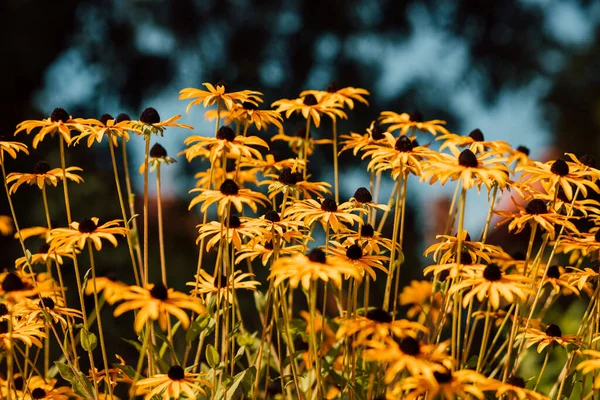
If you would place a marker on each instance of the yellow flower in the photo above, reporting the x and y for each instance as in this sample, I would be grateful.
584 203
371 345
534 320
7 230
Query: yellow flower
228 194
591 364
551 336
113 289
249 114
223 288
292 182
150 123
238 228
176 383
225 141
475 141
362 199
366 237
418 296
59 121
35 310
448 385
354 256
345 96
6 225
12 148
405 122
79 233
265 251
158 155
17 286
42 175
269 164
311 106
40 231
327 211
156 302
306 269
96 129
219 93
445 251
357 142
514 388
492 283
42 256
46 389
29 332
559 280
377 325
297 142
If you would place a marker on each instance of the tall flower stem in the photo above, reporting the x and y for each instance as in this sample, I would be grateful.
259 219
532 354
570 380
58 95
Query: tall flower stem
146 152
65 188
161 240
131 202
388 283
306 146
140 363
539 379
484 339
400 243
455 299
335 163
123 212
97 308
312 304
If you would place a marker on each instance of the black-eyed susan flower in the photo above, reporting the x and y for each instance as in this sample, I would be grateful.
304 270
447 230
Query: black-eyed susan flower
42 176
408 354
42 256
215 174
421 300
271 222
356 141
306 269
249 114
266 251
47 389
150 123
311 106
514 387
225 141
370 240
327 211
493 284
289 181
86 229
228 194
353 255
35 310
298 141
112 289
21 330
581 277
363 199
176 383
405 122
232 230
447 248
18 285
448 385
270 165
96 129
39 231
156 302
377 325
584 166
11 148
222 286
519 156
158 155
591 364
536 211
452 269
583 242
59 122
550 336
558 278
219 92
555 174
467 167
345 96
475 142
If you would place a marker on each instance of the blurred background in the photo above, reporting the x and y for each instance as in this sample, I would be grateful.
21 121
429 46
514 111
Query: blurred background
523 71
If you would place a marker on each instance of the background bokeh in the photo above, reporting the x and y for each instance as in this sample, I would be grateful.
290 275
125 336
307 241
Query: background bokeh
523 71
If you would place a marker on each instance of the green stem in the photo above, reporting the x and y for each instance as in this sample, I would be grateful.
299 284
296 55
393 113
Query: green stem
539 379
131 202
388 283
146 152
161 241
335 163
65 189
306 146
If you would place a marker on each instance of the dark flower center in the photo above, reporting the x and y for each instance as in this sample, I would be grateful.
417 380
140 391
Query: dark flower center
329 204
38 393
443 377
362 195
287 177
553 331
47 302
41 168
588 161
560 168
226 133
157 151
519 256
318 256
465 258
3 310
354 252
86 225
553 272
18 382
492 273
379 315
176 373
275 386
59 114
159 291
416 116
122 117
367 230
468 159
272 216
410 346
150 116
12 283
476 135
249 106
3 326
104 118
224 85
229 188
536 207
332 88
299 177
597 236
404 144
269 245
221 281
523 149
516 381
234 222
377 132
310 100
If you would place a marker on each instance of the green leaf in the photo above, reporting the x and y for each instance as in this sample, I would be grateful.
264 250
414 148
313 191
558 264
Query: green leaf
79 382
127 370
131 199
248 382
200 324
212 357
231 392
240 353
569 384
260 300
88 340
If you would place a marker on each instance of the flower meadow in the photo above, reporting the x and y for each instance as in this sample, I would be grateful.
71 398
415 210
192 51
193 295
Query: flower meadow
483 322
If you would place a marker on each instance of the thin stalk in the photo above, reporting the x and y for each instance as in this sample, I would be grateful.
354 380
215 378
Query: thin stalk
388 283
146 152
65 188
313 336
140 363
131 202
335 163
486 333
161 241
306 146
539 379
400 243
